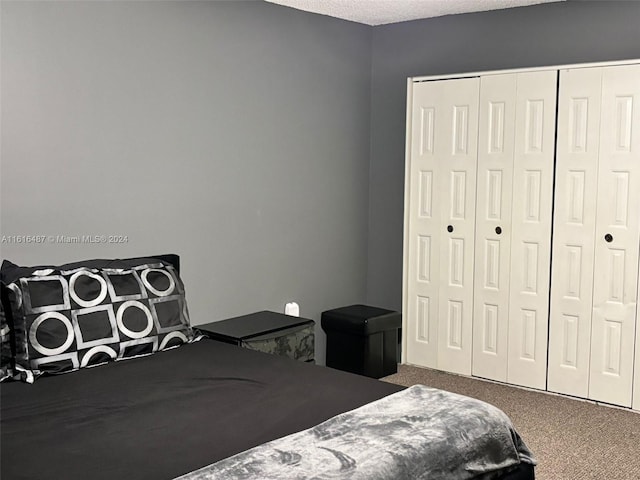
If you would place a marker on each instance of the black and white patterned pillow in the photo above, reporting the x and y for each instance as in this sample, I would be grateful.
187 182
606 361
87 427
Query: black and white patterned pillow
5 347
89 313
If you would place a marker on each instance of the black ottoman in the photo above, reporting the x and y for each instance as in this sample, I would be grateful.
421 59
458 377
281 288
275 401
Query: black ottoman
362 339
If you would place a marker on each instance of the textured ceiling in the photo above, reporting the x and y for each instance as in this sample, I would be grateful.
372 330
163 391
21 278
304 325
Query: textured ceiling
379 12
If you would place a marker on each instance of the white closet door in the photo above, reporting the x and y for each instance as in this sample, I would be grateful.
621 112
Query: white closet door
493 225
423 270
442 198
531 228
457 163
617 238
574 229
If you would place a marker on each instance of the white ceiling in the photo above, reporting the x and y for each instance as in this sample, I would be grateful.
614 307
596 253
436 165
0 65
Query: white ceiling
380 12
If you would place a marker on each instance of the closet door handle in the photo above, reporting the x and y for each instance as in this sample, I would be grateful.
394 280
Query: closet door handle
608 238
450 228
498 230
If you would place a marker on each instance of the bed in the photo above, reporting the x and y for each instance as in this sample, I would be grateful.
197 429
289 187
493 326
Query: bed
202 410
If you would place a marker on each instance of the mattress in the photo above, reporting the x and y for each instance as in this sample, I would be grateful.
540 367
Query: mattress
167 414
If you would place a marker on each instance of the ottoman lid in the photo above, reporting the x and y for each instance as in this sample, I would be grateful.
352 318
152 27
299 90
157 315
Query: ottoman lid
361 319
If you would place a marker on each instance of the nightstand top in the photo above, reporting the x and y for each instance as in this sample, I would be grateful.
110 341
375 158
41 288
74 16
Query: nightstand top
254 324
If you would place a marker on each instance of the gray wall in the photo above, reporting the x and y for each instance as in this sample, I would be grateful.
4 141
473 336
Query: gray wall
552 34
241 135
233 133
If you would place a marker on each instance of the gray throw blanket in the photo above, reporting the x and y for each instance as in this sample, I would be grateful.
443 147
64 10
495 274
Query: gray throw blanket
418 433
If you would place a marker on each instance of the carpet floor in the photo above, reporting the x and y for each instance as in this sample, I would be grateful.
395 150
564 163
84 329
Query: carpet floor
571 439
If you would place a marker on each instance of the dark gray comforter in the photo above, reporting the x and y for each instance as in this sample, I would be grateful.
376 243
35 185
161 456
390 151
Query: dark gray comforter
418 433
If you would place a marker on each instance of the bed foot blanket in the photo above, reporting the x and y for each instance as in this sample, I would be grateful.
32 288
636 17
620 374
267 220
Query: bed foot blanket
417 433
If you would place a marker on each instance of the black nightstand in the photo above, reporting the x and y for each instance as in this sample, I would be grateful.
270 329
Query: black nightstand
268 332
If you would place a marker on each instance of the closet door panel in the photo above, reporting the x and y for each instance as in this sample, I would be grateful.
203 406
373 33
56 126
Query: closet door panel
531 228
424 235
442 194
617 238
456 149
493 225
574 228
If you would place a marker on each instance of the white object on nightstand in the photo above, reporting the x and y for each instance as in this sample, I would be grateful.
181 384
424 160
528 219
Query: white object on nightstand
292 309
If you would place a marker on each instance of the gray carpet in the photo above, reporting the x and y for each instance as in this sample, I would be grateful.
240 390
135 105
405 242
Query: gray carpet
571 439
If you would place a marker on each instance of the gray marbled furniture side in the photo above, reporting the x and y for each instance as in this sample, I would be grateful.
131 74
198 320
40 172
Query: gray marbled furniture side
267 332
